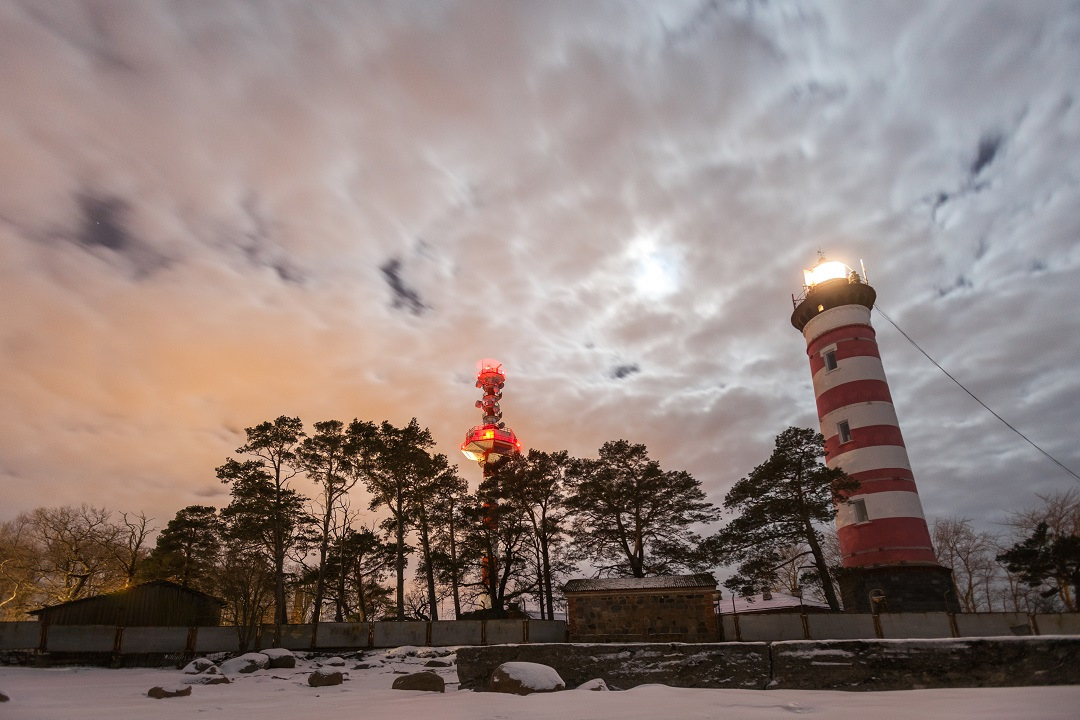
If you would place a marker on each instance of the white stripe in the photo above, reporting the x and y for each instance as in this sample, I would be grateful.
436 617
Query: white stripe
861 367
859 415
871 458
834 318
882 505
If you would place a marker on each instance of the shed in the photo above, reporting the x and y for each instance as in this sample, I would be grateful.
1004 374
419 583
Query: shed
673 608
156 603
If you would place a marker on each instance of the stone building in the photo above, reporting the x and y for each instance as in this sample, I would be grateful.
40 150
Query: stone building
680 608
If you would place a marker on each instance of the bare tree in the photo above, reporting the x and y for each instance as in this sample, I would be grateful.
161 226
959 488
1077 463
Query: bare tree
970 555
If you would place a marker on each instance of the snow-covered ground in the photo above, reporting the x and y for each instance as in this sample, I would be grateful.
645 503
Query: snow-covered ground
81 693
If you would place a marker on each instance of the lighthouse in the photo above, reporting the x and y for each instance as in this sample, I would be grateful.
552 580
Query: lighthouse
887 555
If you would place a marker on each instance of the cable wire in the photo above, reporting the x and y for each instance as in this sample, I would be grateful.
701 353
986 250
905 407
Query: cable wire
961 386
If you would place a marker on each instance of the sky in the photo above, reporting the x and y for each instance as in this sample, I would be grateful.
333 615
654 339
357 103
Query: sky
213 214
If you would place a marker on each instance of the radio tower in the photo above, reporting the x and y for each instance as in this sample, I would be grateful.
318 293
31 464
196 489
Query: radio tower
487 444
887 556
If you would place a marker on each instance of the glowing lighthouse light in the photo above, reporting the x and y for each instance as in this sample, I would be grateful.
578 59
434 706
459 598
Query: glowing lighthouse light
830 270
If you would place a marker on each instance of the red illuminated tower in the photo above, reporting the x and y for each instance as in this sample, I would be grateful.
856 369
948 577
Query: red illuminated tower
487 444
887 555
491 441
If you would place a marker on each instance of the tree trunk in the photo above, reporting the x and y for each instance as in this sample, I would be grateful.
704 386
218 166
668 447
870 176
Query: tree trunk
822 567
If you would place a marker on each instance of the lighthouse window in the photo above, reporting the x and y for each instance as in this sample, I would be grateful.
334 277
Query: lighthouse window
830 360
860 511
843 429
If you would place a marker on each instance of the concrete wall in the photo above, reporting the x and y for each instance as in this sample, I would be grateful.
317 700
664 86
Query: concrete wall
825 626
81 638
216 639
341 635
770 627
457 632
396 634
154 639
500 632
1063 624
20 635
546 631
915 625
795 665
992 624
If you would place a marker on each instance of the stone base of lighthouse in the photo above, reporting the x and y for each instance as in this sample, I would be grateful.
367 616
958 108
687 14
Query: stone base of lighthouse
898 588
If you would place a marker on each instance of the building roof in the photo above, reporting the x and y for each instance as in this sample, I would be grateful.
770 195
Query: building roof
152 583
700 580
777 602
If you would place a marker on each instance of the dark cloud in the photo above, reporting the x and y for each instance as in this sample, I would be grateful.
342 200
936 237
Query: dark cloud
622 371
403 295
989 145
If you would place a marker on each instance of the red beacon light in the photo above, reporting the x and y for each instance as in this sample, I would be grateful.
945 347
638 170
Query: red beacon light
491 441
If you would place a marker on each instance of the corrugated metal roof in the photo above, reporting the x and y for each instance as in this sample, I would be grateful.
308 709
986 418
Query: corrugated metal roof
776 602
700 580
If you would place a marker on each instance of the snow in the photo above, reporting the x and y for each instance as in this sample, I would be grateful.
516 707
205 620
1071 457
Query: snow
534 676
81 693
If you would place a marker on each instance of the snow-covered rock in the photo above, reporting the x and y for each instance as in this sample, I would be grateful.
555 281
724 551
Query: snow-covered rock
246 663
333 662
427 681
523 678
324 678
594 684
198 665
280 657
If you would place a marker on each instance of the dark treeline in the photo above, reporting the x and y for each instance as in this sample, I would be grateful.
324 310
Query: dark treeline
290 547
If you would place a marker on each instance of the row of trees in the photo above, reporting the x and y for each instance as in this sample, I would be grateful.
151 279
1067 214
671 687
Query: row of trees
274 553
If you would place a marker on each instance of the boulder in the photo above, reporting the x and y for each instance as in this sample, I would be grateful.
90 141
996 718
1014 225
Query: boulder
161 692
438 663
246 663
426 681
3 697
208 680
333 662
280 657
324 678
594 684
198 665
524 678
366 666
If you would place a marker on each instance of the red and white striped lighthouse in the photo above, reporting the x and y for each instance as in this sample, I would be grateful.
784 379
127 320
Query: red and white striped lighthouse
885 545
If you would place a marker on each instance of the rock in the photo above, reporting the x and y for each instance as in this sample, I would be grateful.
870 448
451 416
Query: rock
160 692
366 666
438 663
594 684
434 652
198 665
333 662
427 681
246 663
3 697
324 678
524 678
280 657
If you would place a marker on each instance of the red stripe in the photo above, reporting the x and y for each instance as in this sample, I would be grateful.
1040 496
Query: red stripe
892 538
849 393
837 335
870 485
864 437
845 350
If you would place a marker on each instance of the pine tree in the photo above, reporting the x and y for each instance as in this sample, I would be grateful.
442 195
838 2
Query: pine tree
633 519
263 502
784 501
188 549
